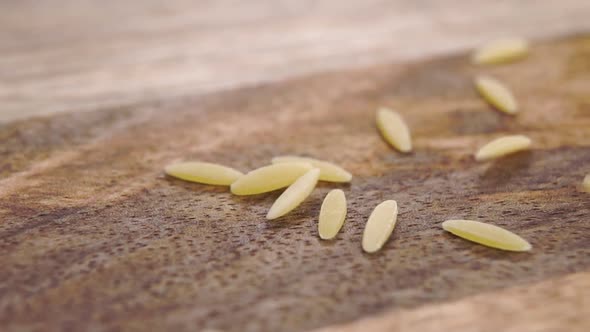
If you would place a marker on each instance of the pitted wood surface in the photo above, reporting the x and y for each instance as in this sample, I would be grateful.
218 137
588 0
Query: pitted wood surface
93 236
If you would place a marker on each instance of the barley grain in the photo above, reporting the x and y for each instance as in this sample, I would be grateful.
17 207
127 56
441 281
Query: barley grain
394 129
269 178
379 226
586 183
202 172
503 146
496 94
486 234
332 214
501 51
328 171
294 195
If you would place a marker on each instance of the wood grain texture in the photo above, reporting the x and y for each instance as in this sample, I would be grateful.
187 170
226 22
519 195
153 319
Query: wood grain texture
83 55
93 236
514 309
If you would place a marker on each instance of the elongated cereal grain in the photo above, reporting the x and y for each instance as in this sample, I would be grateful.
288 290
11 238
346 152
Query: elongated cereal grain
501 51
586 183
269 178
379 226
503 146
202 172
328 171
394 129
294 195
486 234
496 94
332 214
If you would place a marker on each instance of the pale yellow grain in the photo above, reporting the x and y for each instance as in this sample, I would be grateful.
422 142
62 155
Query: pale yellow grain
379 226
329 172
501 51
394 129
202 172
269 178
294 195
486 234
496 94
503 146
332 214
586 183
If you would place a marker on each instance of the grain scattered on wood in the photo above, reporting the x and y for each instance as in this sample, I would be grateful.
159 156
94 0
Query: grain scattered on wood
394 129
332 214
294 195
269 178
586 183
501 51
379 226
503 146
496 94
328 171
486 234
202 172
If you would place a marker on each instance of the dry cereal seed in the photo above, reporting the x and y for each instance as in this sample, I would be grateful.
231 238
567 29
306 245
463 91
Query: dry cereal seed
202 172
328 171
269 178
379 226
501 51
294 195
394 129
486 234
503 146
496 94
332 214
586 183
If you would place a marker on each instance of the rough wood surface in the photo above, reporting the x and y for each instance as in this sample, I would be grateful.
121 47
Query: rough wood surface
94 237
76 55
512 310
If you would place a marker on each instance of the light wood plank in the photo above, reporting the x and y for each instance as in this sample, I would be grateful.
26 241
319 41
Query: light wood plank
66 55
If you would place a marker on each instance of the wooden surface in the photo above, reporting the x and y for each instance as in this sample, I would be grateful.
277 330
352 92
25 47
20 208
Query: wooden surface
84 55
514 309
94 237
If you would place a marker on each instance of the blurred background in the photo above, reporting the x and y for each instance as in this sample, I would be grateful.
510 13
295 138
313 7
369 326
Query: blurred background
77 55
